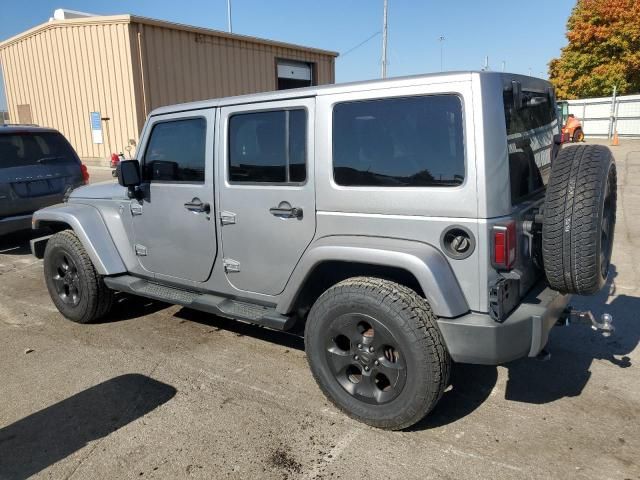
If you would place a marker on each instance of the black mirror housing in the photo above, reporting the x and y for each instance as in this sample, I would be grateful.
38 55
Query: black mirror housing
128 173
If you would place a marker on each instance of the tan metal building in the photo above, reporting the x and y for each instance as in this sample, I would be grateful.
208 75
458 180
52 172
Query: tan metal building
95 79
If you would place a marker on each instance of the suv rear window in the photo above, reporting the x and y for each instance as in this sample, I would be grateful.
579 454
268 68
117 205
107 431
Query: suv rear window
399 142
34 148
530 141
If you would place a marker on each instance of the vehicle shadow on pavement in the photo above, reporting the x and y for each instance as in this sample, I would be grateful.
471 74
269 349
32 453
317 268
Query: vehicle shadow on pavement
128 307
18 243
293 339
574 348
565 374
32 444
469 387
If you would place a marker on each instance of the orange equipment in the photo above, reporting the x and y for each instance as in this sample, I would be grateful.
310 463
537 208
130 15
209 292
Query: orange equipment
571 126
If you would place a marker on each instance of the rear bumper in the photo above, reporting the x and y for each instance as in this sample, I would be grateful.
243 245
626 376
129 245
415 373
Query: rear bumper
15 224
477 338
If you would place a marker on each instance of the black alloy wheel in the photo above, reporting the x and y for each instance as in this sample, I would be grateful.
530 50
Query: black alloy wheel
365 358
66 279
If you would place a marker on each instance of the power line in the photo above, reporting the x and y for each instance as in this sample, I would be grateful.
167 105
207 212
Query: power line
360 44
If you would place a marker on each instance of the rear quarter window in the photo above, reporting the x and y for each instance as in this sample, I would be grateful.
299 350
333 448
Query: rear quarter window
530 130
399 142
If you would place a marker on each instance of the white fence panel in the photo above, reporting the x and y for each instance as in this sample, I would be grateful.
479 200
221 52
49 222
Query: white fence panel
600 117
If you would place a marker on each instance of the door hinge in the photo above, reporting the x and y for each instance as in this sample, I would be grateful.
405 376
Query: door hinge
227 218
141 250
136 208
231 265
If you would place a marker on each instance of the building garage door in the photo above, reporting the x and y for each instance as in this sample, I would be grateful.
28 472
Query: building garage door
294 74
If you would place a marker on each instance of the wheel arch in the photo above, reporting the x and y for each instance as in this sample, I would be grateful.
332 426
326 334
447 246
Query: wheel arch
416 265
87 223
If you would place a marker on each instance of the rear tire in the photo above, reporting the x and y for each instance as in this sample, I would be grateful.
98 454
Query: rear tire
579 219
578 136
76 289
375 350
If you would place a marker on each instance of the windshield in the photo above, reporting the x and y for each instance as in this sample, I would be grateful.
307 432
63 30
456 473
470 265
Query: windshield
34 148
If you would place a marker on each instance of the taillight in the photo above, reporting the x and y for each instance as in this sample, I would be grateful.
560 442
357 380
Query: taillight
115 160
85 173
504 246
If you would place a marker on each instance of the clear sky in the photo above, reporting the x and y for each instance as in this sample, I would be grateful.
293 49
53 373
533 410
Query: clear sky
523 34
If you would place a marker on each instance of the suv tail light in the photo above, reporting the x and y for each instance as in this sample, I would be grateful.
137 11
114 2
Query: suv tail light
85 173
115 160
504 243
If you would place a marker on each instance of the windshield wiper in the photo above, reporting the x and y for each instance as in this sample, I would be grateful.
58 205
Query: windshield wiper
48 159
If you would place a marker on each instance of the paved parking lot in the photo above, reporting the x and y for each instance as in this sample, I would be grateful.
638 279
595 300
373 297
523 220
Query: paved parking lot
164 392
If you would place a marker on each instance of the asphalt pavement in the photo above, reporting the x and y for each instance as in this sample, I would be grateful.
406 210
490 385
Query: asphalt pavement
160 391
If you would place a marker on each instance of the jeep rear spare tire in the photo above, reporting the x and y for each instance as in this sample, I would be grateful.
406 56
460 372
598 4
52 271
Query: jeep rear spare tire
579 219
376 351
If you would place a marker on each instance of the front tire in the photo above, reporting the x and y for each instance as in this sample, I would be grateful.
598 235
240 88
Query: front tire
376 352
76 289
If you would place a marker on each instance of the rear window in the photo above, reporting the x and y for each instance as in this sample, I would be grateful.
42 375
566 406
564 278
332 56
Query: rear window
399 142
34 148
530 130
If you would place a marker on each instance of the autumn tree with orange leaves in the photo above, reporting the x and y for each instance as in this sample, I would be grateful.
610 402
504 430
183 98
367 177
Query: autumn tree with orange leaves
603 50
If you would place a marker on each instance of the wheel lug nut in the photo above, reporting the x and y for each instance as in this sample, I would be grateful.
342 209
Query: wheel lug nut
371 349
359 345
366 368
356 357
376 363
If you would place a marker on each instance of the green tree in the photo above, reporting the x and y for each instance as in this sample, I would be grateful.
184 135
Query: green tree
603 50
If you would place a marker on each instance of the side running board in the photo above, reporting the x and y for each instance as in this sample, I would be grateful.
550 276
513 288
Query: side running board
205 302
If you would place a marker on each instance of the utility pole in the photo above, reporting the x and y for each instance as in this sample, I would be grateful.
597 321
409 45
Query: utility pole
229 16
384 39
441 39
504 64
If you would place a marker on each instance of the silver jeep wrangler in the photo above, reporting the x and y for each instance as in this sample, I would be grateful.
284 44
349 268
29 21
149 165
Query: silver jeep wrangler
404 223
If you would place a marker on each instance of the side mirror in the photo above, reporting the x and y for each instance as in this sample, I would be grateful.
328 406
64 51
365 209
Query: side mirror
128 173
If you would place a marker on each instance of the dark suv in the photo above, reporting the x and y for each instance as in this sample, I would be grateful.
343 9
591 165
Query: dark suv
37 167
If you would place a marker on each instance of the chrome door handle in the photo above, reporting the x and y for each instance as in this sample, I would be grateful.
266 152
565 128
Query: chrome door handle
293 212
197 206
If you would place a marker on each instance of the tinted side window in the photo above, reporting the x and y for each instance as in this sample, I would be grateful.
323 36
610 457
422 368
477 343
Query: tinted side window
399 142
529 141
536 111
268 147
176 151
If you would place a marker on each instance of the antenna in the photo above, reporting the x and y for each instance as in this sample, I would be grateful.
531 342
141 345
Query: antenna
384 39
504 64
486 63
441 39
229 16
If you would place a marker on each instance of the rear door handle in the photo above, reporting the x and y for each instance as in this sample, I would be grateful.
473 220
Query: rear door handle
292 212
197 206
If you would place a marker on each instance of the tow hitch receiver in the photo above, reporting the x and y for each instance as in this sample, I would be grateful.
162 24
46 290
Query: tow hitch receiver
576 317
